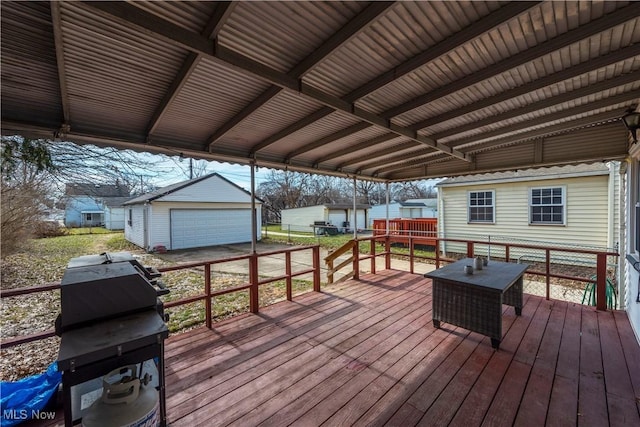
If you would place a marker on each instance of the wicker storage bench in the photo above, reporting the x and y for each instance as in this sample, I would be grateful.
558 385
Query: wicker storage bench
474 301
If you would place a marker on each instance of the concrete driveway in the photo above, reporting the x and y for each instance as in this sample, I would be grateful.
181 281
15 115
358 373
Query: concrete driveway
274 265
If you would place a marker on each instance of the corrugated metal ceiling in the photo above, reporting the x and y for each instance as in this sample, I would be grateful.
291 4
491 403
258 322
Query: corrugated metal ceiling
380 90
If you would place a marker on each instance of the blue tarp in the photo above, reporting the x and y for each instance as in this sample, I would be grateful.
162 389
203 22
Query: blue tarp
22 400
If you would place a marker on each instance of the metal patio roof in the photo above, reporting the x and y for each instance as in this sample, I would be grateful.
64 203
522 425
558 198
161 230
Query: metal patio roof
379 90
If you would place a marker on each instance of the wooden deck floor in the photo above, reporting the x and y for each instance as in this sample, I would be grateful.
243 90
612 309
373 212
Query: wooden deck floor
366 354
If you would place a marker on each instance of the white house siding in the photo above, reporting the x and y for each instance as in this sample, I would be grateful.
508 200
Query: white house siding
338 217
114 218
160 221
135 231
615 239
214 189
587 204
631 277
360 222
380 212
301 219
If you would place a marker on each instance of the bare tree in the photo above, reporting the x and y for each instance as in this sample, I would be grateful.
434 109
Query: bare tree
25 166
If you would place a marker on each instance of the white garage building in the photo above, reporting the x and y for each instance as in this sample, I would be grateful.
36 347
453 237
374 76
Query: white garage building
205 211
339 215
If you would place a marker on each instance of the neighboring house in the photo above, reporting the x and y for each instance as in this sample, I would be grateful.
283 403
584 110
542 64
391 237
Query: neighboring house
85 203
411 208
338 215
576 205
205 211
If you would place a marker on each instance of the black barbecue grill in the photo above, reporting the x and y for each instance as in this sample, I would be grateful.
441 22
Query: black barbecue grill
111 316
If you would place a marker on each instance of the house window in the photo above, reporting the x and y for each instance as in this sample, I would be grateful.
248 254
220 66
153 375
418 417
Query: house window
130 217
547 206
88 217
481 206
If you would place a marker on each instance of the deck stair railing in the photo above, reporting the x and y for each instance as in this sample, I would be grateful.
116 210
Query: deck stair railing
350 247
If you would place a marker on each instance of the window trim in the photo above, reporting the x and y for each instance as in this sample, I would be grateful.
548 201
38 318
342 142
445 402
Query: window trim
493 207
564 206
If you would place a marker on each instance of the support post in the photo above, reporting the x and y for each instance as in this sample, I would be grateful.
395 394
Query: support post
254 215
355 212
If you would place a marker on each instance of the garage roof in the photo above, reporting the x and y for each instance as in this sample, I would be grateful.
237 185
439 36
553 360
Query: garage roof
379 90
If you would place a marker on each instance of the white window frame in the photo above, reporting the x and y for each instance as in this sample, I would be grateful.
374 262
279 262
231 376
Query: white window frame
563 204
470 220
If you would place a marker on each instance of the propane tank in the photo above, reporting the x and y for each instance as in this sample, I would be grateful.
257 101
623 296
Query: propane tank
126 401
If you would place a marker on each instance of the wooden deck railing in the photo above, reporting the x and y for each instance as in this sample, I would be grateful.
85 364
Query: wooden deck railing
207 295
423 230
470 248
508 252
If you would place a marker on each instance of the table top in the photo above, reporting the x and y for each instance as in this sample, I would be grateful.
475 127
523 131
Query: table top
496 275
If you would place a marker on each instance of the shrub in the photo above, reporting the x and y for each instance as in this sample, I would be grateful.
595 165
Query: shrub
43 229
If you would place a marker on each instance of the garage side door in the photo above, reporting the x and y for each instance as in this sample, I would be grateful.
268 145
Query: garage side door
192 228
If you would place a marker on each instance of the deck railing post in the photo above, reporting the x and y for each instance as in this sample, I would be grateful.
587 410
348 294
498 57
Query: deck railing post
356 260
373 256
437 253
387 249
410 254
207 291
469 249
253 281
287 266
316 268
601 282
548 271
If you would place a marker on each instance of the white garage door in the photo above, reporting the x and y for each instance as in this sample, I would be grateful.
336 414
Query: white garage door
192 228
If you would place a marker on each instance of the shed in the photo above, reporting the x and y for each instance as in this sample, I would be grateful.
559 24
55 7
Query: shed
205 211
566 205
339 215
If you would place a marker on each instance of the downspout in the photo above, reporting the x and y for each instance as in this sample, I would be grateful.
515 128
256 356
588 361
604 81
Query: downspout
254 220
622 246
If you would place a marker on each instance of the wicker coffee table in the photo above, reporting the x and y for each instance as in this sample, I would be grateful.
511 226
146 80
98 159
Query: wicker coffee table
474 301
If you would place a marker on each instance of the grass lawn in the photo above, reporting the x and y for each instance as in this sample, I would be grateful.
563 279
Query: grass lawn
44 261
